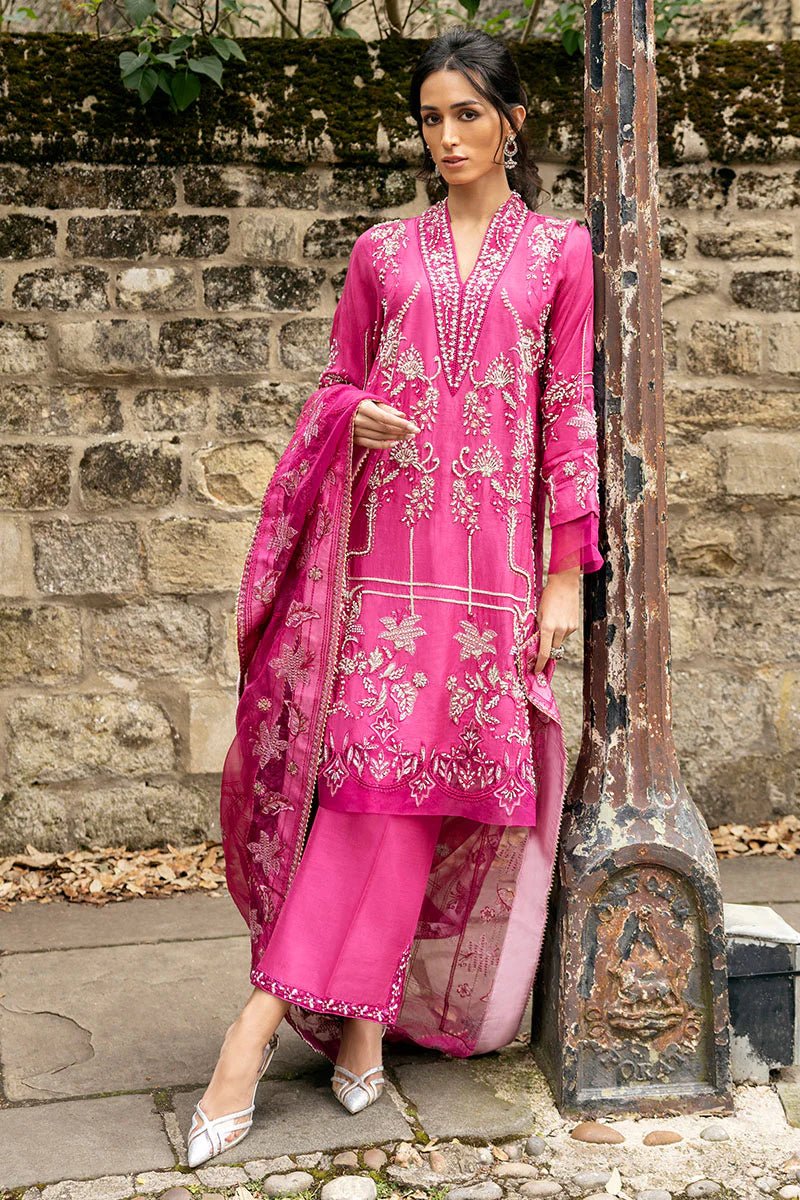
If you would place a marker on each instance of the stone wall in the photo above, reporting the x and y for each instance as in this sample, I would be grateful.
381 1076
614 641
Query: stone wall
165 309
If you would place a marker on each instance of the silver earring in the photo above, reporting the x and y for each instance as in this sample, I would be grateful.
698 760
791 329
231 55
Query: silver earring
509 152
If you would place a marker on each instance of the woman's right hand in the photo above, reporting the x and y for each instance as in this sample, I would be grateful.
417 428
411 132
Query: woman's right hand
378 424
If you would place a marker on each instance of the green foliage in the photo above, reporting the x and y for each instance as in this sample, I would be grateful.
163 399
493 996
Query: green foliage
170 58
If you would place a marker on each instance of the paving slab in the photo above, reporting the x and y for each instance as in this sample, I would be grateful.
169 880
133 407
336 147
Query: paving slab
124 1018
112 1135
63 926
298 1116
760 879
451 1102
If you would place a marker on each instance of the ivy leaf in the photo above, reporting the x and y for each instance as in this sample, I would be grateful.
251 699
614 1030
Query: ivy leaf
349 33
207 65
339 7
236 50
148 84
185 88
140 10
179 44
221 47
130 62
471 6
170 59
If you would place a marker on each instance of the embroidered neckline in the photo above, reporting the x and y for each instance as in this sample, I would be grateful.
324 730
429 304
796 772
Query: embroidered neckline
460 307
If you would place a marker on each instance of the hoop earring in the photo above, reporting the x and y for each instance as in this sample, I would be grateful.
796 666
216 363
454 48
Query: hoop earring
509 151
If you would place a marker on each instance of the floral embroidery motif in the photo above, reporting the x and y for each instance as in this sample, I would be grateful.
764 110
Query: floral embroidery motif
389 238
460 308
545 242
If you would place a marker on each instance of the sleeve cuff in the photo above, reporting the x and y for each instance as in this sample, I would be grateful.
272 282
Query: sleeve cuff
574 544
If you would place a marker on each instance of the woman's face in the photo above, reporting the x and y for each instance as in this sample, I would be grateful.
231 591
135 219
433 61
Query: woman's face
457 123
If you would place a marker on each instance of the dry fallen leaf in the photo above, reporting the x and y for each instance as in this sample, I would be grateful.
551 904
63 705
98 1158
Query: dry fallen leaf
104 873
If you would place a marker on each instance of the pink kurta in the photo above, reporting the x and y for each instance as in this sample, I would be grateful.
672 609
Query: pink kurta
386 626
429 713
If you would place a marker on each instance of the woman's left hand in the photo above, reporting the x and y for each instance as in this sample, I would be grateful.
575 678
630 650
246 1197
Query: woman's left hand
558 612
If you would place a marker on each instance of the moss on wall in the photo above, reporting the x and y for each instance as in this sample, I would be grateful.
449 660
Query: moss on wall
65 102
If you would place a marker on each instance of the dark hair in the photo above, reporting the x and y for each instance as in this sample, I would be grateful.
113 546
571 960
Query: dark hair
489 66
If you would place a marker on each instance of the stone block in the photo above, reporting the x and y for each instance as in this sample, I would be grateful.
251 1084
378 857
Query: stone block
24 236
34 476
673 238
303 344
182 409
293 1114
267 237
23 348
86 558
768 291
268 408
453 1101
109 237
205 347
66 1140
16 576
781 538
274 288
787 711
567 190
151 638
757 463
121 473
114 347
67 408
714 544
249 187
739 239
762 189
211 730
702 407
188 554
156 288
166 235
369 187
724 348
137 814
694 187
82 289
717 714
783 348
83 185
235 474
333 237
755 624
677 282
691 626
692 471
39 644
57 738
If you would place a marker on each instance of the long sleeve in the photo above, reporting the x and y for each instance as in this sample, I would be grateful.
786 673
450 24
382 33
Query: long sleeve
356 326
569 468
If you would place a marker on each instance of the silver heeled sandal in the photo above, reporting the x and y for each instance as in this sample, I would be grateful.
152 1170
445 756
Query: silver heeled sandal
357 1092
207 1138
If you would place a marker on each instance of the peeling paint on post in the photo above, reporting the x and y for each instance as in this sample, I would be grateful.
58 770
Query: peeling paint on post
631 1006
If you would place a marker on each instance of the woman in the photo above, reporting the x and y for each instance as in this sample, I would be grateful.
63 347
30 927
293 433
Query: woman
392 800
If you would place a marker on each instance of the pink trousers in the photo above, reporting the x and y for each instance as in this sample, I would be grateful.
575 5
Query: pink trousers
343 938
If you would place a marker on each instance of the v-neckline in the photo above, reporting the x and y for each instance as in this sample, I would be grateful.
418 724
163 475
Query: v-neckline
462 283
459 306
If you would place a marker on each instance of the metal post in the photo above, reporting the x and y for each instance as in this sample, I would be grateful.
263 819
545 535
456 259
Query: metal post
631 1007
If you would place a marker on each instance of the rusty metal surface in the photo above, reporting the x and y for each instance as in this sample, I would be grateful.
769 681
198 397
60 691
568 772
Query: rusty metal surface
631 1008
